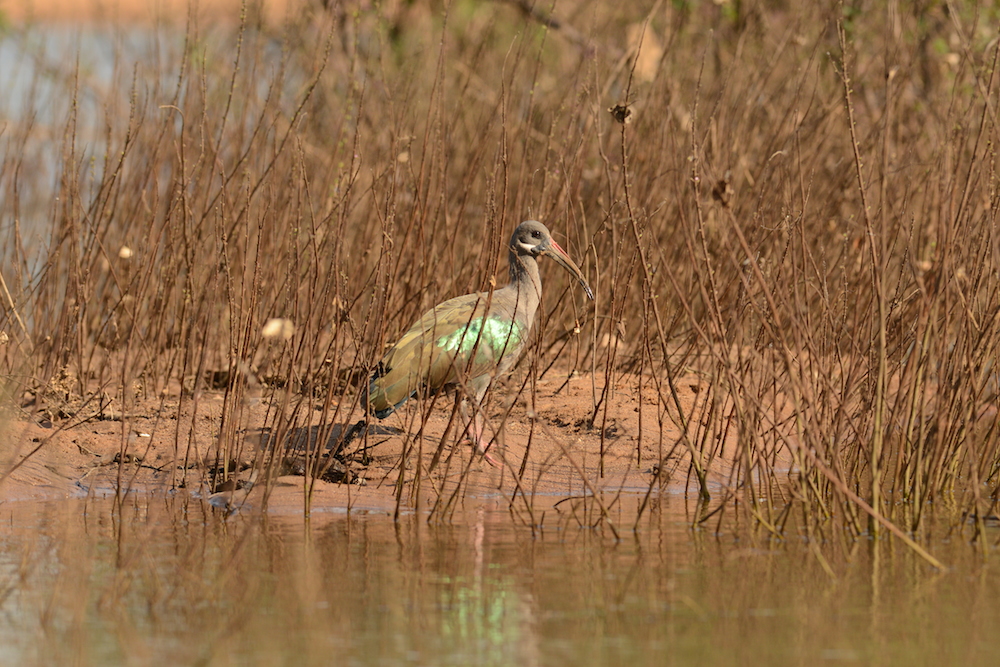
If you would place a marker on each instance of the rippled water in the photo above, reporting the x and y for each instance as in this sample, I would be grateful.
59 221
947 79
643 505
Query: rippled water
171 581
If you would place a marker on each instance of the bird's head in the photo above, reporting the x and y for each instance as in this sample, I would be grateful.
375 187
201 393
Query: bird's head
532 238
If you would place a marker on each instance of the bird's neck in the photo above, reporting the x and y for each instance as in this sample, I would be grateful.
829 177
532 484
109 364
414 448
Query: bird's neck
525 282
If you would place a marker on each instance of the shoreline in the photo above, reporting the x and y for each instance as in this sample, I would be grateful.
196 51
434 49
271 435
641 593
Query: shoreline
80 455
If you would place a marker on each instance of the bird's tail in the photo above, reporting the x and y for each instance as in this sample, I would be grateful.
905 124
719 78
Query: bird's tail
376 400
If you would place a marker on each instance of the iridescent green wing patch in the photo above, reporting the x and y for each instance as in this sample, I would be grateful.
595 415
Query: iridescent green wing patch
502 335
498 335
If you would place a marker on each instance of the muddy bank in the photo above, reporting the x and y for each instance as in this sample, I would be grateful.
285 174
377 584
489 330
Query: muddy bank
553 446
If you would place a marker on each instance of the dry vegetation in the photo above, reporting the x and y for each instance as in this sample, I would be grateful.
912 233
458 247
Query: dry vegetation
799 211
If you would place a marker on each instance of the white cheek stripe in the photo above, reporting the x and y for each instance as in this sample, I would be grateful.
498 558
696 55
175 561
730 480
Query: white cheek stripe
525 246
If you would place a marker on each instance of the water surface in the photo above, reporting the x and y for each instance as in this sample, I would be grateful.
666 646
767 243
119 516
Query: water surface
169 580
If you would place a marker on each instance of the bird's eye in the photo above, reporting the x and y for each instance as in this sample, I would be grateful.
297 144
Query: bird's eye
536 234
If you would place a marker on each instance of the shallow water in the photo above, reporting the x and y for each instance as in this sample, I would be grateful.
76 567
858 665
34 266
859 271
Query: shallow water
171 581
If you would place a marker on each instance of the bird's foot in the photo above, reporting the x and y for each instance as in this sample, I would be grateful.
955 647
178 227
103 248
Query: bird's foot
481 446
486 455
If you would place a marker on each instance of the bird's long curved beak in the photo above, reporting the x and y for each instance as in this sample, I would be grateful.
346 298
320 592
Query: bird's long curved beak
553 250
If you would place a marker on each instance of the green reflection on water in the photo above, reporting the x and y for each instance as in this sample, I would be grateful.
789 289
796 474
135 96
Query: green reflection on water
167 581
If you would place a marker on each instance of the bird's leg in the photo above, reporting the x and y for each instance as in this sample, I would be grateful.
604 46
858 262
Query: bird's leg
482 444
474 430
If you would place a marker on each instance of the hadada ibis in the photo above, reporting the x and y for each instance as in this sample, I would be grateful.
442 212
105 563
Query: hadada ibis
465 342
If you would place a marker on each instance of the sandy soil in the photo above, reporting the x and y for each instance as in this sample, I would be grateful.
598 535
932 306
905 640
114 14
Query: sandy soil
74 455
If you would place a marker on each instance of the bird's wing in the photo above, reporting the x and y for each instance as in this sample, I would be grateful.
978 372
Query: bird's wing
453 340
